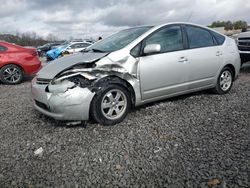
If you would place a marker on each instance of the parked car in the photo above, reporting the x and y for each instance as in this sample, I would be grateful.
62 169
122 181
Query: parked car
243 42
63 44
66 49
72 41
76 47
17 61
46 47
134 67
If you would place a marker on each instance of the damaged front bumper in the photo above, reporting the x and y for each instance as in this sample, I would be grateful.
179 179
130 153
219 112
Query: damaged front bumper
71 103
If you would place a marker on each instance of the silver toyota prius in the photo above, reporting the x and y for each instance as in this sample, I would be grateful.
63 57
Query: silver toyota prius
133 67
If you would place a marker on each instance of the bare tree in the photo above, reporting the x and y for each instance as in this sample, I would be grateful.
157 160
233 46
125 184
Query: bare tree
50 37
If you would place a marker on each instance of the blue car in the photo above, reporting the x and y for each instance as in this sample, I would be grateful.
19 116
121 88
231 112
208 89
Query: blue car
67 49
56 52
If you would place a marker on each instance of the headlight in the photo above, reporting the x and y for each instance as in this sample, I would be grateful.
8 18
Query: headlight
80 79
61 87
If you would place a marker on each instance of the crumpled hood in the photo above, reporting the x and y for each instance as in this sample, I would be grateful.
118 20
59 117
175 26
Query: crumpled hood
58 65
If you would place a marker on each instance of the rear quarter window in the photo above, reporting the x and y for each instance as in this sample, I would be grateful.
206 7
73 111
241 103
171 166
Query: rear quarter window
219 38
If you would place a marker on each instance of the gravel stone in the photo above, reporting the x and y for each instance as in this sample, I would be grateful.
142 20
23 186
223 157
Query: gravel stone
186 141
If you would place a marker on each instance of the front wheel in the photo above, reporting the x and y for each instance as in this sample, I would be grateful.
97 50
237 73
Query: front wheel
11 74
111 106
224 82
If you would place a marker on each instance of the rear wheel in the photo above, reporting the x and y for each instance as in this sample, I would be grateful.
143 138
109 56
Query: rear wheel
224 82
111 106
11 74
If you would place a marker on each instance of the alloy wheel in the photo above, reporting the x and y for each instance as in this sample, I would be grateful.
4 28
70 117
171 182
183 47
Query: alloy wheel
225 80
11 74
114 104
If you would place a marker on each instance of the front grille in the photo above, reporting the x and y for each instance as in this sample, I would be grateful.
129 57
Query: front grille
244 38
244 48
42 105
244 41
43 81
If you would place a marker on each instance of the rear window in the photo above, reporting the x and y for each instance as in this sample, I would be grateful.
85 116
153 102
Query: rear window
3 48
219 38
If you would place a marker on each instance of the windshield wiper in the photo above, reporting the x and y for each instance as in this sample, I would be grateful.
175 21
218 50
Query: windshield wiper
93 50
97 50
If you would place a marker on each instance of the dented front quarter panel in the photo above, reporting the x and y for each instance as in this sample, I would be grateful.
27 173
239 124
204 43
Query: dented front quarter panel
115 64
125 66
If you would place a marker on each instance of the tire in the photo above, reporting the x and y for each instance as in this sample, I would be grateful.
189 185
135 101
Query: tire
111 105
11 74
224 81
66 52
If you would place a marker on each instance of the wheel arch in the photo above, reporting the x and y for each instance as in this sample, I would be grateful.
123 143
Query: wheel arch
13 63
113 79
232 68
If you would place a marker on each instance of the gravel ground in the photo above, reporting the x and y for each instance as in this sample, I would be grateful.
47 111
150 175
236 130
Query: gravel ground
196 140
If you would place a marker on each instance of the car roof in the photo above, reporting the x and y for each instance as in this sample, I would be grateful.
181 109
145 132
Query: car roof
79 42
185 23
170 23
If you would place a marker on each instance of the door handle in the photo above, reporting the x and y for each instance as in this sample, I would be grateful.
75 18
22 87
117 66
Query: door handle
183 59
218 53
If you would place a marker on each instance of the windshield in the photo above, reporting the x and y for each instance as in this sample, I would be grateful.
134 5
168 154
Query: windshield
118 40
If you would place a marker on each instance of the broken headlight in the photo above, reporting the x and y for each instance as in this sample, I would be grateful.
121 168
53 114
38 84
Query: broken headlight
80 81
70 81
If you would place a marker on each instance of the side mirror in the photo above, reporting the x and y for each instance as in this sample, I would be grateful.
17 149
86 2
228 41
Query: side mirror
69 48
152 48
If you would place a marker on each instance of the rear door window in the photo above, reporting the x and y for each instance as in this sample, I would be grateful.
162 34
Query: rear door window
198 37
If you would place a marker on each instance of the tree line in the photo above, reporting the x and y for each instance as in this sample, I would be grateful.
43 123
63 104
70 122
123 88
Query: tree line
32 39
27 39
229 25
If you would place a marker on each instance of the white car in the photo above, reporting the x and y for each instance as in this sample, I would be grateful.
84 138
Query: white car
76 47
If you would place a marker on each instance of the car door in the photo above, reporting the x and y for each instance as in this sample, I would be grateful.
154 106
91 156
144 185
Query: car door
204 57
165 72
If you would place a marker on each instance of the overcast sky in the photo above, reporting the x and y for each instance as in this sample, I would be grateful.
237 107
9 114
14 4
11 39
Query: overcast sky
92 18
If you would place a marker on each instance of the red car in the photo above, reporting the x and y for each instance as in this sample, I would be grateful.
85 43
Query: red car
17 61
